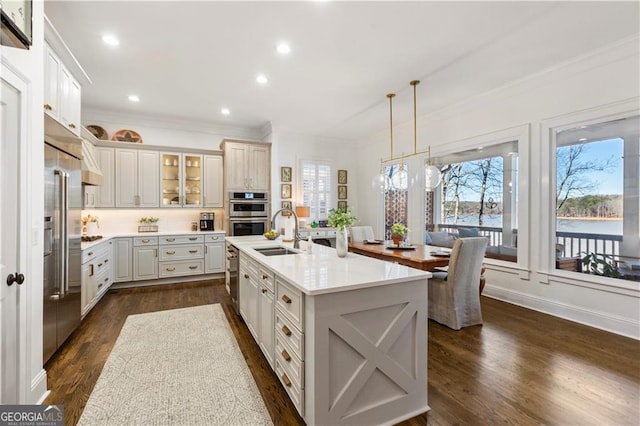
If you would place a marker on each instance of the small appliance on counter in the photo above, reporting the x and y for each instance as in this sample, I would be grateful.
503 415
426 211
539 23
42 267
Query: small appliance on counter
206 221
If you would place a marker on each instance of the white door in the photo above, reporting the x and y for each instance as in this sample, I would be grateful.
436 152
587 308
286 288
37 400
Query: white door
12 116
213 184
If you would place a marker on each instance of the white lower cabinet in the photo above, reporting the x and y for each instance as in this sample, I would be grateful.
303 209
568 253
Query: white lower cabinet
267 332
181 255
123 260
145 258
214 253
97 274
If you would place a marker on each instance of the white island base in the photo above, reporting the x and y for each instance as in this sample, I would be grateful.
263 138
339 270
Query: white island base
366 355
347 337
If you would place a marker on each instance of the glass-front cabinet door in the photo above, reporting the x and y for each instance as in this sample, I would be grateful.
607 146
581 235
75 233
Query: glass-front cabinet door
192 180
171 178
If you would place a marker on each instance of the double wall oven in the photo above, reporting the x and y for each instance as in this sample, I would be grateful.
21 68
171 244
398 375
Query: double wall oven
248 213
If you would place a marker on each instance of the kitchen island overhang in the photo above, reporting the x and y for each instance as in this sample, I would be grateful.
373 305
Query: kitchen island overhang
363 355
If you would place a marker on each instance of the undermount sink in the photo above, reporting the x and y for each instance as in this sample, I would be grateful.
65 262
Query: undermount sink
275 251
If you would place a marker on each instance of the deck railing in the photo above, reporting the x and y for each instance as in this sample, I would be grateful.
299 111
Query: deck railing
570 244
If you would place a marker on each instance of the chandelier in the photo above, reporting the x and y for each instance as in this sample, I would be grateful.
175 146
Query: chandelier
400 178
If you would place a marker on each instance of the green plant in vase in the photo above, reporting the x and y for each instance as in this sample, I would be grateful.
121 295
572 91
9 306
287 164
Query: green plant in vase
398 233
341 219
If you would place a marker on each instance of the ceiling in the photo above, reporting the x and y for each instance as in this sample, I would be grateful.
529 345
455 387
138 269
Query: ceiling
187 60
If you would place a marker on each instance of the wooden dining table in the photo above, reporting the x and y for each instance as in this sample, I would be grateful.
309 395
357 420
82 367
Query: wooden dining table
422 257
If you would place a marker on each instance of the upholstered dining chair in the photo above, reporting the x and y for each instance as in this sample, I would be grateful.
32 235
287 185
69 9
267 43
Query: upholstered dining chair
360 233
454 299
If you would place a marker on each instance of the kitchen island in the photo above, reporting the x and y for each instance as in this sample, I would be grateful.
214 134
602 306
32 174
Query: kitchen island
347 337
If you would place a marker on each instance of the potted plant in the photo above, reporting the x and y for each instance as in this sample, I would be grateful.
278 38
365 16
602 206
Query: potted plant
600 264
398 233
148 224
341 219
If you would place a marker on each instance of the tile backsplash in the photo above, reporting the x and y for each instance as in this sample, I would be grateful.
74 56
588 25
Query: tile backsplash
114 221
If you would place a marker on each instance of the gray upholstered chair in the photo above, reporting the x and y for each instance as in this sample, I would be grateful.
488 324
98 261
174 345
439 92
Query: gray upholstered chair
454 299
360 233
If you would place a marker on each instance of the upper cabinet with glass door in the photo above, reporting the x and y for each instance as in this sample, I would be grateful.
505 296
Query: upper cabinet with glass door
181 180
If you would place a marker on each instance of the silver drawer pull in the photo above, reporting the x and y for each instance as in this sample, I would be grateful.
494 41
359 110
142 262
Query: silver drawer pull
193 267
106 261
214 238
286 355
90 253
193 251
146 240
100 285
286 299
246 276
99 265
170 239
264 276
171 252
171 269
193 238
286 330
106 279
264 290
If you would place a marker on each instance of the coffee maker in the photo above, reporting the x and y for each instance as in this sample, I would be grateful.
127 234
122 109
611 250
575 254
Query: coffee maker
206 221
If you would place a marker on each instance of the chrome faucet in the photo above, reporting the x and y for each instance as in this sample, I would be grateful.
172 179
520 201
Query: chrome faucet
296 237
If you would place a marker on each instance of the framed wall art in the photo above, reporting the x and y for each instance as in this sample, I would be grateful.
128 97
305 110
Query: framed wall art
286 204
342 177
286 191
15 23
342 192
342 205
285 174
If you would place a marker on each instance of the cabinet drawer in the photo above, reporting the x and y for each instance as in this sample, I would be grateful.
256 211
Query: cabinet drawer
267 278
181 268
145 241
195 251
181 239
286 332
95 251
212 238
314 233
290 362
249 266
103 281
331 233
290 302
295 392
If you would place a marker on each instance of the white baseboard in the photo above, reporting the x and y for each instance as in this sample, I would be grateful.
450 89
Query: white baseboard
39 391
596 319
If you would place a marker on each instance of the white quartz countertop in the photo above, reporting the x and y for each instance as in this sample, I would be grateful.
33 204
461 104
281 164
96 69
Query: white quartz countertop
106 237
323 271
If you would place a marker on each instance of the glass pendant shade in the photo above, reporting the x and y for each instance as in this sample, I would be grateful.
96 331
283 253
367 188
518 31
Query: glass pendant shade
400 179
432 177
381 182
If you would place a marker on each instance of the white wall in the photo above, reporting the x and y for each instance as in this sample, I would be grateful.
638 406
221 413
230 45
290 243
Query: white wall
600 80
29 65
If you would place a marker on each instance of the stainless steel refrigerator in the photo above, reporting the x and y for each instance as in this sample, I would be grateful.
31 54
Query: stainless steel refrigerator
62 251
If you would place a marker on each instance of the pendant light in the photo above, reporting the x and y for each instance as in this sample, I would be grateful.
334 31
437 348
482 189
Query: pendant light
381 181
432 173
400 179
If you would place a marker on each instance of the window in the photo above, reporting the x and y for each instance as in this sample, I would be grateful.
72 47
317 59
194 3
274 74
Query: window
478 197
596 199
395 201
316 188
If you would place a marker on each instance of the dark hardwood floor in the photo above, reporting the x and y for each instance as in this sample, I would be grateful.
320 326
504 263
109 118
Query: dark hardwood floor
521 367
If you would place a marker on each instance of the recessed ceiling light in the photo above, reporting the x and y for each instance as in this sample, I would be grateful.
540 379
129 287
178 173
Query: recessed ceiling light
582 139
134 98
262 79
110 40
283 49
225 111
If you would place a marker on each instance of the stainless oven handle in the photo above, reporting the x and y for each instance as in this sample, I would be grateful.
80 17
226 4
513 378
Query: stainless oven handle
249 219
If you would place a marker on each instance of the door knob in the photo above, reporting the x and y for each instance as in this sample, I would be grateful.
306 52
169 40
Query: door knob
17 278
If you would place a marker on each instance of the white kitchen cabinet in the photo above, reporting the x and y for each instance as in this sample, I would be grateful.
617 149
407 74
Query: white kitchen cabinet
136 178
181 255
145 258
62 92
52 66
105 193
248 294
89 196
266 324
213 195
97 274
182 179
123 264
214 252
247 166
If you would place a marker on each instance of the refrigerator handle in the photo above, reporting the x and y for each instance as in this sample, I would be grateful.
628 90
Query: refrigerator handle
66 231
62 224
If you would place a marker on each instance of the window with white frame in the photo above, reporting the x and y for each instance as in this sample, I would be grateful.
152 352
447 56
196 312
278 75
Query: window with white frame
316 188
596 199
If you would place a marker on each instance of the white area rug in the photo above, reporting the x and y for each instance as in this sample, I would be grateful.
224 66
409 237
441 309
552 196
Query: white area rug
178 367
